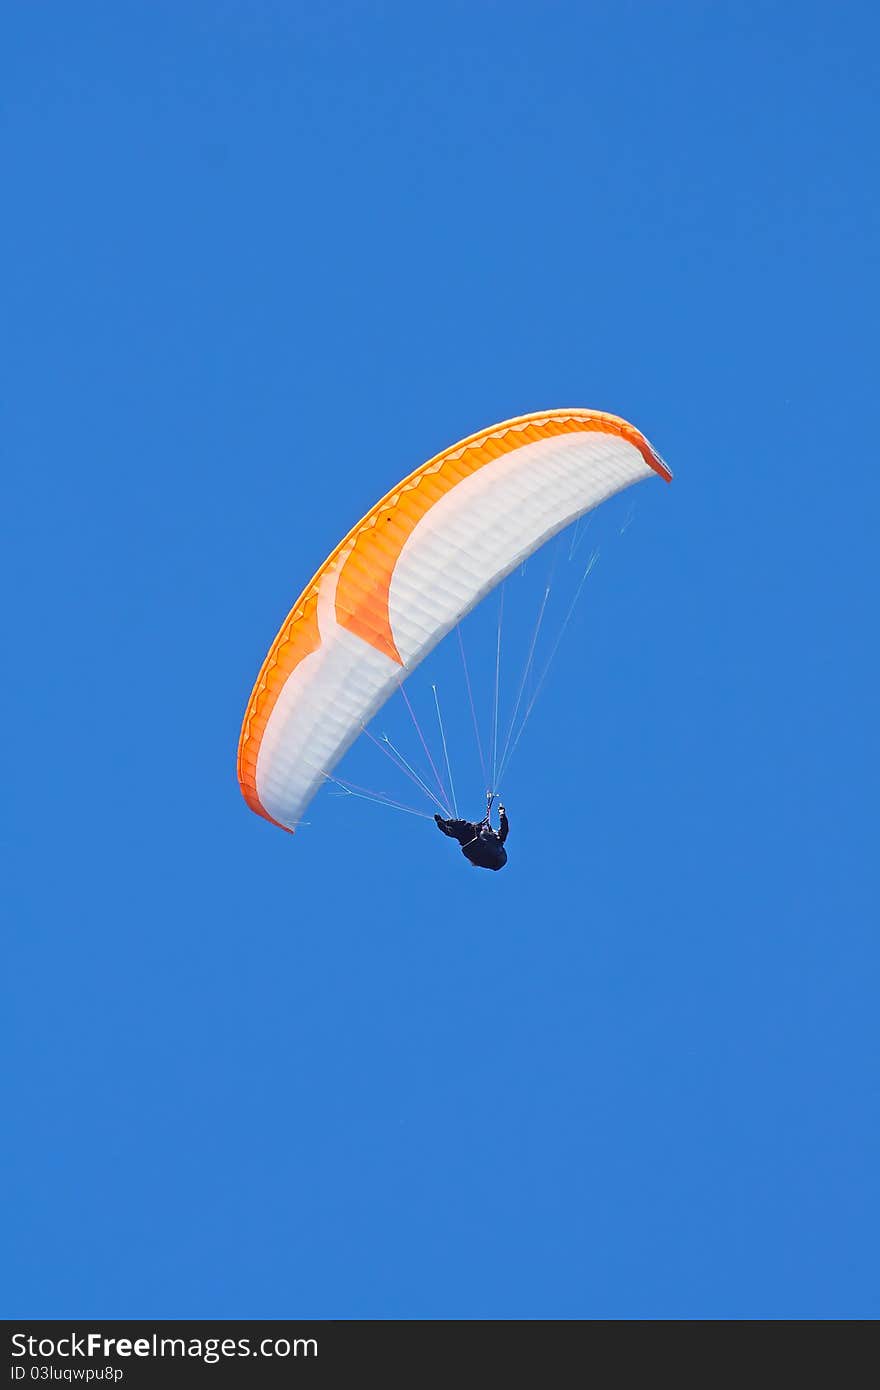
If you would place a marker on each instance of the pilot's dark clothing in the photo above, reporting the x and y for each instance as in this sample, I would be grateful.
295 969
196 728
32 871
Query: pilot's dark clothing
480 844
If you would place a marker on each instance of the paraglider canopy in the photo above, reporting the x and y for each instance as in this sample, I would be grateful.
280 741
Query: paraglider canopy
420 560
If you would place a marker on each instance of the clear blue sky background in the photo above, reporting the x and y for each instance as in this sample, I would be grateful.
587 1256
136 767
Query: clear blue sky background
262 259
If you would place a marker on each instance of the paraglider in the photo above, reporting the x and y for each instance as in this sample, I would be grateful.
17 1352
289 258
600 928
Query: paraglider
406 574
481 844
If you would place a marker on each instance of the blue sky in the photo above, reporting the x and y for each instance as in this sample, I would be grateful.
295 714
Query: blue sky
262 260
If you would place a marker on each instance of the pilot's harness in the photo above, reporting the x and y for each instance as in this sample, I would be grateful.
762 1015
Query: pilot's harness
487 819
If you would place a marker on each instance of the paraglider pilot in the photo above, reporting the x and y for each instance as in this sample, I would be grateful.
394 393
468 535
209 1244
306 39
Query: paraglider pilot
480 843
